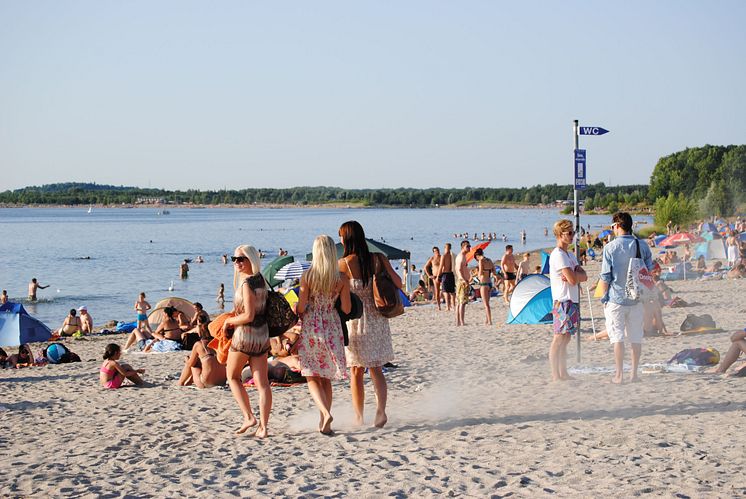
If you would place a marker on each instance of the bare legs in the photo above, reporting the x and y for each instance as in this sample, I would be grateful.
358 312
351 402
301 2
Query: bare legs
484 292
358 394
619 362
436 292
509 287
735 350
321 392
460 313
558 357
236 362
134 377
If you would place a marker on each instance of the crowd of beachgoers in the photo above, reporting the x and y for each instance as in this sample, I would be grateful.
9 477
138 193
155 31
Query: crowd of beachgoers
235 349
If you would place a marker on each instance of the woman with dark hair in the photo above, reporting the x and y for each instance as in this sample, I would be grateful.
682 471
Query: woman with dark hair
167 335
70 325
370 336
24 357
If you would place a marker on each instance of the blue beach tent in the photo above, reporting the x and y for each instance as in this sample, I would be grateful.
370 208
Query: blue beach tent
544 262
531 301
18 327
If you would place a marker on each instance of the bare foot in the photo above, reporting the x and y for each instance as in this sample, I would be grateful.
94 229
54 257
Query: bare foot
381 420
261 432
358 421
566 377
247 423
326 427
617 380
634 379
714 370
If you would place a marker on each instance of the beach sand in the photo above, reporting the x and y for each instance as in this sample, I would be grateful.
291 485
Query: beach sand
470 414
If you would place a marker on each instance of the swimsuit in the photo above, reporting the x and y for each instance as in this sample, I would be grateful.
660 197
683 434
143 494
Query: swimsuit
449 282
510 276
489 284
142 317
116 378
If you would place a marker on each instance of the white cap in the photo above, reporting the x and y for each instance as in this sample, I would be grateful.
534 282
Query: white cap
81 308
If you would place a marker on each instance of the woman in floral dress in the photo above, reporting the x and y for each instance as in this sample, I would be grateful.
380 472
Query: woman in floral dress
321 352
370 336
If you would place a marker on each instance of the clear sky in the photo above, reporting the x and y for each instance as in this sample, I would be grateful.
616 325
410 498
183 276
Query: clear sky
206 95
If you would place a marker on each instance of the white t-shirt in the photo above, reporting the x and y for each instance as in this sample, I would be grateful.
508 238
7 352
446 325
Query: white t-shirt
562 290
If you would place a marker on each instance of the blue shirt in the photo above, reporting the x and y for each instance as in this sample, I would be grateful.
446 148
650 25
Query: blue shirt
615 263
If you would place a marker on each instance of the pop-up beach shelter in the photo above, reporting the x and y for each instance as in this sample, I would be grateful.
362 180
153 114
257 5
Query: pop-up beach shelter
714 249
18 327
544 262
531 301
157 315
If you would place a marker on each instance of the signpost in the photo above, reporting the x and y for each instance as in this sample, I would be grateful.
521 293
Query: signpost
580 182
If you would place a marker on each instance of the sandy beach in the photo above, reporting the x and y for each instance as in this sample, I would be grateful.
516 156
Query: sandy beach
470 414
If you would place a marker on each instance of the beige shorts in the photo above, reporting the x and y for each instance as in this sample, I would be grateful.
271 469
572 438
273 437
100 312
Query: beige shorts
624 320
462 292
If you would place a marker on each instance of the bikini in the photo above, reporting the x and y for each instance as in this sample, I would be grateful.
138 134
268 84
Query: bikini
116 379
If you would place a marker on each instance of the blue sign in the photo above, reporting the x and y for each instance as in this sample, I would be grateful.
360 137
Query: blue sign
592 130
580 169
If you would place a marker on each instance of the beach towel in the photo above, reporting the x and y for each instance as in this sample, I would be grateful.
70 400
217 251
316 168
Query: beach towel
220 342
696 357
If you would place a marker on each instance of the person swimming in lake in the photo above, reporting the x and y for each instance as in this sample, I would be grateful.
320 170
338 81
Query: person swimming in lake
112 373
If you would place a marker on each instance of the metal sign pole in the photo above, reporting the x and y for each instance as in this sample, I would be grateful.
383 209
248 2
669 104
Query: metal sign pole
575 129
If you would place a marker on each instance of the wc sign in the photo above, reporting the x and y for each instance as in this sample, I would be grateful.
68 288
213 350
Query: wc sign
592 130
580 169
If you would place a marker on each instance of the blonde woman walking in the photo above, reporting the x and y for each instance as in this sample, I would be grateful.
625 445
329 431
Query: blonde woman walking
321 351
249 338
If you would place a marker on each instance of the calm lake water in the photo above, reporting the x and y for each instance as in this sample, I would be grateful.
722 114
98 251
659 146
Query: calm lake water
133 250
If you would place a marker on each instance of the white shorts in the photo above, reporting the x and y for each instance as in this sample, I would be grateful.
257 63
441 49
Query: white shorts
624 319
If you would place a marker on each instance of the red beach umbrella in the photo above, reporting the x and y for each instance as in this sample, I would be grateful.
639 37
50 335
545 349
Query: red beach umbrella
680 238
470 254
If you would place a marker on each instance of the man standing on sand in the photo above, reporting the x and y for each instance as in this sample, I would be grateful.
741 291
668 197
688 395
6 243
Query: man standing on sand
624 316
509 271
447 278
33 286
432 270
462 287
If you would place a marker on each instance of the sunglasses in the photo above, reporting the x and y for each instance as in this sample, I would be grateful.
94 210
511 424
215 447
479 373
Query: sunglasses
238 259
569 232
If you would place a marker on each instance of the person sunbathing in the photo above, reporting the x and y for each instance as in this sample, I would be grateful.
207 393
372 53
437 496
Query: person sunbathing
24 357
420 293
737 346
737 272
716 266
70 325
202 367
700 265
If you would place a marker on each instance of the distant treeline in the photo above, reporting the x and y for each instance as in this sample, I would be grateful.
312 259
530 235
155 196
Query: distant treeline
689 184
84 194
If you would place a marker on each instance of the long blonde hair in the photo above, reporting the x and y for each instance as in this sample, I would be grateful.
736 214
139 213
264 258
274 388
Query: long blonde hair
323 275
252 254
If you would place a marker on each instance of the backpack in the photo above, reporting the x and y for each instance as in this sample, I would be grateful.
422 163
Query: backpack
640 284
697 322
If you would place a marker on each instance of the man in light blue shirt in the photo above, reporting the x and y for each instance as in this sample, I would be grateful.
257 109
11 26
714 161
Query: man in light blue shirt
624 317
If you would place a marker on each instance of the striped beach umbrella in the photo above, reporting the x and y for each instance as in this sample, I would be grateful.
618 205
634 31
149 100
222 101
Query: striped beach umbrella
292 270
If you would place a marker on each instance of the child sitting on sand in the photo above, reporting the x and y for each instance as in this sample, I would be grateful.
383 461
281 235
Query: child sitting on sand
112 373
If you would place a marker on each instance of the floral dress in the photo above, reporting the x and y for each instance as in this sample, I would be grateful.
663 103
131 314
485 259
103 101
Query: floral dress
370 335
321 349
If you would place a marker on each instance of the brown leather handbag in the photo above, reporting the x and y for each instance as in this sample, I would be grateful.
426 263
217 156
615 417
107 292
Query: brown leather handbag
385 293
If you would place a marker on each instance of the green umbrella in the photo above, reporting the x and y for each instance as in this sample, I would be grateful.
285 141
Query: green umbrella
272 267
389 252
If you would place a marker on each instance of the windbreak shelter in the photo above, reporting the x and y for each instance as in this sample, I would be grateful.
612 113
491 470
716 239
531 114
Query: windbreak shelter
18 327
531 301
157 315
